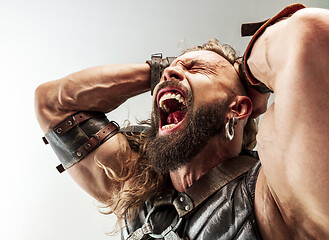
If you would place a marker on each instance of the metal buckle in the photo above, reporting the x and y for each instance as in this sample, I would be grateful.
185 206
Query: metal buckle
140 232
156 55
98 139
116 124
169 233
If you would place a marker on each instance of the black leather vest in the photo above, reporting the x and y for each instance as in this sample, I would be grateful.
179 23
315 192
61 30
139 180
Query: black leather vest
227 214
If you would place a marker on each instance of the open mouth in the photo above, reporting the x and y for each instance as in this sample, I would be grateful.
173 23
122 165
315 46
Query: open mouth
172 107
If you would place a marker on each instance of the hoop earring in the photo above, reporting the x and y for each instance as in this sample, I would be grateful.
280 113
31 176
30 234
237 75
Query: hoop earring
229 128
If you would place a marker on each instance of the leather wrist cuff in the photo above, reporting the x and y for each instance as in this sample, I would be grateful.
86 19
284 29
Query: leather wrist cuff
258 86
257 29
158 64
78 135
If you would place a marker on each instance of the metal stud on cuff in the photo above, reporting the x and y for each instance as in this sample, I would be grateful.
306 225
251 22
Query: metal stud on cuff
59 130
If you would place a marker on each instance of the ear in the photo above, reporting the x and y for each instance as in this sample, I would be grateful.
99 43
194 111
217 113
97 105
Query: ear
241 107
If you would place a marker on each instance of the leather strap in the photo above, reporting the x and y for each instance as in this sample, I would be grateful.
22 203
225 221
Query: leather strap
259 86
208 184
257 30
157 65
96 140
105 133
78 135
155 70
212 181
73 120
188 201
249 29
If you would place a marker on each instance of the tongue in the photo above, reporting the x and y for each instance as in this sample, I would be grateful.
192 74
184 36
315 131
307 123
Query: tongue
175 117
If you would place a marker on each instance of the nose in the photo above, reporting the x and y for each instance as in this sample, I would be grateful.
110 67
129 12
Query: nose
173 73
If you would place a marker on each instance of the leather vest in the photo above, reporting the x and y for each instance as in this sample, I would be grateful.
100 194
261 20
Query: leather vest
227 214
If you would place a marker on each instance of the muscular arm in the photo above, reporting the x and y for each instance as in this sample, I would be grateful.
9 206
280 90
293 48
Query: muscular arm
291 57
101 88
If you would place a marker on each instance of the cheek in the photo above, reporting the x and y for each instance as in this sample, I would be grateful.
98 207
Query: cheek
204 93
208 91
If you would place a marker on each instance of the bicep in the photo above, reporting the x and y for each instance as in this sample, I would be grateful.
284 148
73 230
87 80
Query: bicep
89 173
293 137
97 171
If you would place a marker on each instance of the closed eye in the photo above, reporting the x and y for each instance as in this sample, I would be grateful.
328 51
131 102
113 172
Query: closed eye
197 66
193 65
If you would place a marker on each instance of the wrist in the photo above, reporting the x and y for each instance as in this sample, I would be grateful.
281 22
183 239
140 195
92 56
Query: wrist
157 65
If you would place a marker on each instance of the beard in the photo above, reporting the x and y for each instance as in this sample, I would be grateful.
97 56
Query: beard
169 152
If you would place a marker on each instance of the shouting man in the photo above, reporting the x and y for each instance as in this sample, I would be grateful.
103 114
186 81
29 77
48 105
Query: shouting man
190 174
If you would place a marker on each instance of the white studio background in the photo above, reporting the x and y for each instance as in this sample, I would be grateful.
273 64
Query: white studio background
45 40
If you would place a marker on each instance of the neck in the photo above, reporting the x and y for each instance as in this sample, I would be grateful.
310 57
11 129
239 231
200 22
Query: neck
214 153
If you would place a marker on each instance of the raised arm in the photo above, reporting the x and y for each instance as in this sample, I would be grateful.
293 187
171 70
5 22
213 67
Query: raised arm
291 58
101 89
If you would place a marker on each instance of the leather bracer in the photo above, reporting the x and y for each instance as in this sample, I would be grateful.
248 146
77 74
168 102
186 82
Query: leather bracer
158 64
78 135
257 29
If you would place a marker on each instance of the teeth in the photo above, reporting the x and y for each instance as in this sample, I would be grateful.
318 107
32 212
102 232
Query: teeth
168 126
165 108
166 96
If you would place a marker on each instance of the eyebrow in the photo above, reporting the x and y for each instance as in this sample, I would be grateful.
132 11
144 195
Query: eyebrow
209 65
192 62
200 62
